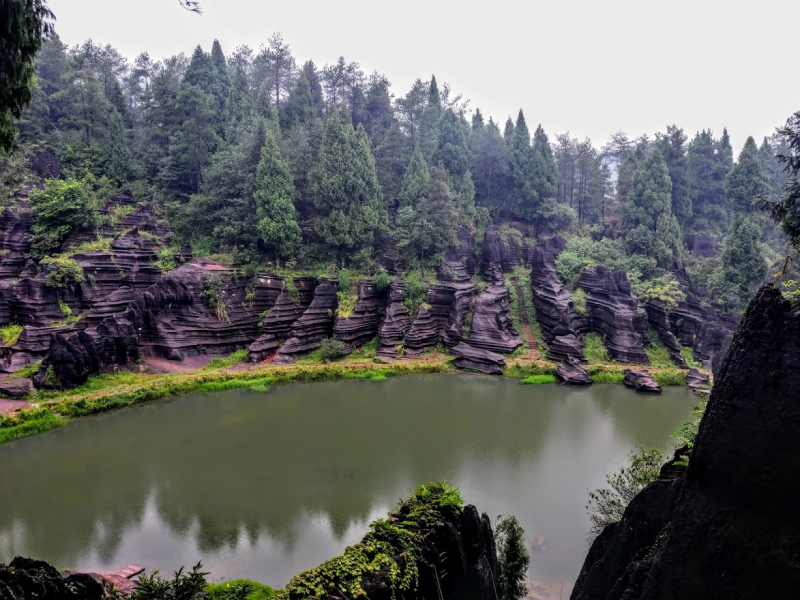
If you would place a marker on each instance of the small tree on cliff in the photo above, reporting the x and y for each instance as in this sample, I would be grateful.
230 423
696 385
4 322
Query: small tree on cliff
277 221
513 558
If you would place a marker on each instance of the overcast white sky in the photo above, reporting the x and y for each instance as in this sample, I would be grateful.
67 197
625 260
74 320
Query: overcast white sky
590 67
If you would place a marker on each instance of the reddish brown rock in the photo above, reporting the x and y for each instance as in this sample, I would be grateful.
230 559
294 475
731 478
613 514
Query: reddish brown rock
395 324
315 325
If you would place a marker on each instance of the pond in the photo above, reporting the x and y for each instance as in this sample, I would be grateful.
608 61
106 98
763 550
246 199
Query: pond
266 485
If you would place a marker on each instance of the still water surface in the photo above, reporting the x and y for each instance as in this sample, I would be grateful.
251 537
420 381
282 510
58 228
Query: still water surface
267 485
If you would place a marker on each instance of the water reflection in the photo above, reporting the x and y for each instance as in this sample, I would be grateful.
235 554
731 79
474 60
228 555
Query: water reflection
266 486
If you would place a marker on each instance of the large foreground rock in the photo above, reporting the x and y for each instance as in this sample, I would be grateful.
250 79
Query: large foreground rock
25 579
478 359
728 525
571 372
641 381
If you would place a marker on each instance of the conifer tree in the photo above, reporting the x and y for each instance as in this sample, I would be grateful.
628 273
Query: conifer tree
429 128
545 172
673 149
746 185
508 131
743 264
453 144
415 181
200 71
299 106
221 79
118 155
345 189
276 217
239 107
523 171
311 74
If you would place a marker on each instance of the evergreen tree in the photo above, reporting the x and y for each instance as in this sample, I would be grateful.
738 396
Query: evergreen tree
707 178
453 144
311 74
743 264
299 106
415 181
673 149
221 79
490 169
429 128
200 71
239 107
264 108
508 131
277 221
746 184
118 155
787 210
345 189
545 172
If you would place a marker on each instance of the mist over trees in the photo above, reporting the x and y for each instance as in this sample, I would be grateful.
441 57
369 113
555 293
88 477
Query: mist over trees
252 154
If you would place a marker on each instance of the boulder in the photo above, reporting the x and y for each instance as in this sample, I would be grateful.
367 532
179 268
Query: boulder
69 362
571 372
696 379
25 578
15 388
641 381
727 526
613 313
478 359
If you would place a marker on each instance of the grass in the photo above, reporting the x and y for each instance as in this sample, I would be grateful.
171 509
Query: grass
522 370
579 301
607 376
10 334
28 422
657 352
98 245
595 349
538 379
234 358
221 591
669 377
688 356
26 372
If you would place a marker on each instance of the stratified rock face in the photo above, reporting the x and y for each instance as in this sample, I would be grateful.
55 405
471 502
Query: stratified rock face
362 325
492 328
552 303
703 245
395 324
24 578
432 319
696 379
641 381
704 329
478 359
658 319
315 325
612 310
571 372
733 528
289 305
459 262
71 360
15 240
463 295
500 249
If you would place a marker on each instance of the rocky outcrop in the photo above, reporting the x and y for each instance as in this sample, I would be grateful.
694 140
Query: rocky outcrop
289 305
478 359
727 526
24 578
696 379
460 308
459 262
69 362
612 309
552 303
658 319
429 325
704 329
15 240
362 325
571 372
492 328
641 381
703 245
315 325
395 324
501 247
15 388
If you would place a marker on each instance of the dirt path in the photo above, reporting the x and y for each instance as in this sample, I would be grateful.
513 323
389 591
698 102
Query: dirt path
524 323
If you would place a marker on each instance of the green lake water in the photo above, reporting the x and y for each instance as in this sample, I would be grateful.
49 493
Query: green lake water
266 485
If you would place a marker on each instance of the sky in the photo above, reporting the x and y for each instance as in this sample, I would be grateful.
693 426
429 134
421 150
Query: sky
590 67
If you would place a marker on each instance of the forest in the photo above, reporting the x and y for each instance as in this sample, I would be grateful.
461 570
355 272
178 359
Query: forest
263 162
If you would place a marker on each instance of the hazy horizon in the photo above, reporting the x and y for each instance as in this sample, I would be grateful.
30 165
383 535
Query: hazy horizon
628 67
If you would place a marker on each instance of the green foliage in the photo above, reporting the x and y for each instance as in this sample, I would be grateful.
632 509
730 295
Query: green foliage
579 301
214 294
687 433
583 253
10 333
344 281
165 259
98 245
746 185
538 379
791 291
665 290
189 585
414 291
743 268
657 352
688 356
513 558
239 356
613 376
331 349
607 505
239 589
670 377
62 272
595 349
28 422
62 208
382 280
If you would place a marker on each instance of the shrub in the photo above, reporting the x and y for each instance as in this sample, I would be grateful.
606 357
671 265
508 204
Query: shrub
664 289
414 290
382 280
62 208
239 589
234 358
513 558
344 281
10 334
579 301
687 433
62 272
332 349
595 349
538 379
607 505
202 246
183 586
165 259
215 296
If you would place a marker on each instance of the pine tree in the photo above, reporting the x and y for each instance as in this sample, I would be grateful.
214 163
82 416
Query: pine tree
508 131
429 128
746 184
707 178
523 172
743 264
651 190
345 189
118 155
264 108
415 181
200 71
239 107
299 106
276 217
311 74
545 172
221 80
452 149
673 149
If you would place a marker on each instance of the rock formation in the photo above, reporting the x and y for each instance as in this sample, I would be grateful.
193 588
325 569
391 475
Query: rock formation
552 302
395 324
492 328
613 313
478 359
362 325
696 380
289 305
641 381
571 372
429 325
24 578
315 325
658 319
704 329
727 526
501 248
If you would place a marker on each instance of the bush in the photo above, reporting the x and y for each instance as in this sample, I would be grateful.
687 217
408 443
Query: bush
239 589
382 280
607 505
344 281
62 272
687 433
595 349
10 334
62 208
664 289
414 290
215 296
538 379
579 301
332 349
183 586
513 558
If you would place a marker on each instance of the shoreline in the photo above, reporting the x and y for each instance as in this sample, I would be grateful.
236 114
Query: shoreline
105 392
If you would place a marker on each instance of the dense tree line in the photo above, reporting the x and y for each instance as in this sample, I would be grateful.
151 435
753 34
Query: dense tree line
257 156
